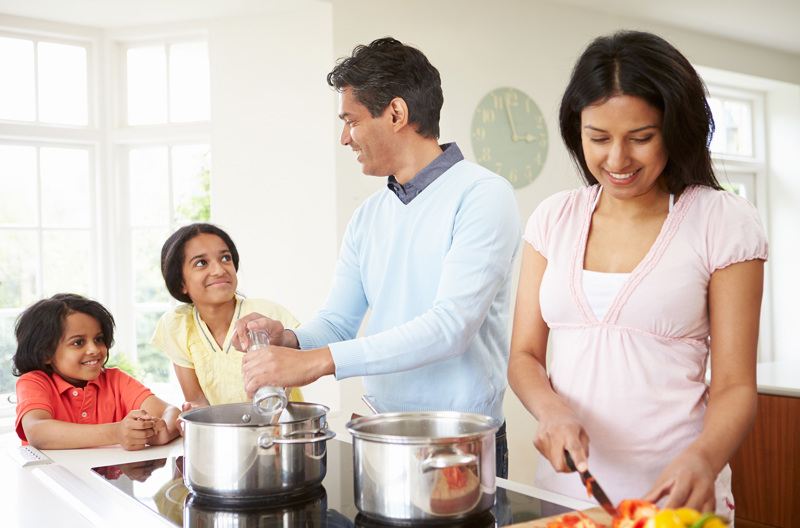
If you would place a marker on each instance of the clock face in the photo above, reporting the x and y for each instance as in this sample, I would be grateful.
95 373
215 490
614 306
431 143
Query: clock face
509 136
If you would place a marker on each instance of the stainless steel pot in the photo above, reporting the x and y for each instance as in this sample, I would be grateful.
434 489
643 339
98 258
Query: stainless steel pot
232 452
423 466
308 510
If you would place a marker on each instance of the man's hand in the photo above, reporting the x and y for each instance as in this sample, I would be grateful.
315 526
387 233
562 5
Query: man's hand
256 321
284 367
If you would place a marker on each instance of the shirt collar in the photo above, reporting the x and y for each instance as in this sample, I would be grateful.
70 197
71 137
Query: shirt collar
450 155
63 386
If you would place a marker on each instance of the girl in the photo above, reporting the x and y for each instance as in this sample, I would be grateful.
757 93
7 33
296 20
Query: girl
634 276
199 264
67 399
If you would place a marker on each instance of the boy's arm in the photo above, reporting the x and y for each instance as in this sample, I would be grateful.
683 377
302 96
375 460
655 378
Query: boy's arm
44 432
165 417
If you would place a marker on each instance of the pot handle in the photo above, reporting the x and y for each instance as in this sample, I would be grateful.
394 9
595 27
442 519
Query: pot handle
445 460
266 440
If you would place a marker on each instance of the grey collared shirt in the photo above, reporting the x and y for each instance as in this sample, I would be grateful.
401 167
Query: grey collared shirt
450 156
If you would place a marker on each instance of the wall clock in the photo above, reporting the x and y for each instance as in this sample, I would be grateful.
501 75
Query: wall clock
509 135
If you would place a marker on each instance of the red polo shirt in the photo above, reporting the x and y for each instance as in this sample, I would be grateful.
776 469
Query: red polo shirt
107 399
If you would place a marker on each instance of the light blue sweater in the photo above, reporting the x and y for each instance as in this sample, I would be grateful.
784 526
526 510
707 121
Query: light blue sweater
436 275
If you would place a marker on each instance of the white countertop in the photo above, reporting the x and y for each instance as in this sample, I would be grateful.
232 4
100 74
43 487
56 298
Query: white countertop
66 494
779 378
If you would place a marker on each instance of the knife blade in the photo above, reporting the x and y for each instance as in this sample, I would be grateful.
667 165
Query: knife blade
592 487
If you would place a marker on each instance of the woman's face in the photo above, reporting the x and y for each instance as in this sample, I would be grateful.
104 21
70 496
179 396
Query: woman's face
623 145
209 276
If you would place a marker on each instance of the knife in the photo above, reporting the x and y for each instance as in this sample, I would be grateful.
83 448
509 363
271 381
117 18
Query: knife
592 487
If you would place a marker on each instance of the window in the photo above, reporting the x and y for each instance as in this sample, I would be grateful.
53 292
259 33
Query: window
85 207
44 81
736 148
47 230
166 182
739 153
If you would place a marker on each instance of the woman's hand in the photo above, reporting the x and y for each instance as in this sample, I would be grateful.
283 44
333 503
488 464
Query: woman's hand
687 481
559 430
135 430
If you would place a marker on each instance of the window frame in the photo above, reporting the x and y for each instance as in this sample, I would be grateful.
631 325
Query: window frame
719 85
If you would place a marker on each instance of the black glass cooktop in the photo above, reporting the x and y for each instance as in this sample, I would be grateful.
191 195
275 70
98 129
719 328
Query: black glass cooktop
158 484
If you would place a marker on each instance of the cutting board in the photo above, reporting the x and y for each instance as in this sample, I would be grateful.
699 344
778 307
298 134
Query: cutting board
598 515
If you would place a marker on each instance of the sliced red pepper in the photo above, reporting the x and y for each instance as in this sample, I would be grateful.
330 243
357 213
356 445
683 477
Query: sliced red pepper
456 477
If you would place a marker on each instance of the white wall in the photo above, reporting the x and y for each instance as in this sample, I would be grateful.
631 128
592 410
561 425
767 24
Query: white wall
273 183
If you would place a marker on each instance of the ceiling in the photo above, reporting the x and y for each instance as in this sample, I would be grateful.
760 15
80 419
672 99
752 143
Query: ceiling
768 23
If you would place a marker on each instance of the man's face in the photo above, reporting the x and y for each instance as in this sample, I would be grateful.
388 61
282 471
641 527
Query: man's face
371 138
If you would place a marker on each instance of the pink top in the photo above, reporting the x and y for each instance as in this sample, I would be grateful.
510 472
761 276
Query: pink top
636 379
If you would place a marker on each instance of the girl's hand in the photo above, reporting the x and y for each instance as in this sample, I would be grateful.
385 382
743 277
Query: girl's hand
687 481
560 430
188 406
135 430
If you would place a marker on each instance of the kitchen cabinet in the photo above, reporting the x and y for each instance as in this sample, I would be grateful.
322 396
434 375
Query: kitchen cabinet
766 469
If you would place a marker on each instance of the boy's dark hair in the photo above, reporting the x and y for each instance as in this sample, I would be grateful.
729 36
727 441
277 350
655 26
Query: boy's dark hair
387 68
173 254
41 326
646 66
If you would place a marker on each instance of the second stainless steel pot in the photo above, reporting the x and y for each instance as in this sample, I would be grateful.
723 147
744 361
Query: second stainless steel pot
231 452
423 466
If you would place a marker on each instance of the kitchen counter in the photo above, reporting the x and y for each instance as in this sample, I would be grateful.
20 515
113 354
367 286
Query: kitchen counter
65 493
766 469
779 378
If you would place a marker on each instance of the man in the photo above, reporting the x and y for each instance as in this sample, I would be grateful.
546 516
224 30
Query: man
431 256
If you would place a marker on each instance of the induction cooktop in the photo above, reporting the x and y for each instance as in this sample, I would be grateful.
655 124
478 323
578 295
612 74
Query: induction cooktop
158 484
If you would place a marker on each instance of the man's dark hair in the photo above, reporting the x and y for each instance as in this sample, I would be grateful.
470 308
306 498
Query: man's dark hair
644 65
387 68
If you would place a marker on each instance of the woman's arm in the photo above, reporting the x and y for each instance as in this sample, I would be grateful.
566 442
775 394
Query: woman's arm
165 417
734 307
44 432
190 386
558 427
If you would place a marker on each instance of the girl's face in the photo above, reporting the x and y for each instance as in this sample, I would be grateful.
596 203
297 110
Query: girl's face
623 146
81 352
209 276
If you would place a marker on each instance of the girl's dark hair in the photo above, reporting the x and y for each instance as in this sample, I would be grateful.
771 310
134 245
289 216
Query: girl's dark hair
387 68
41 326
644 65
173 255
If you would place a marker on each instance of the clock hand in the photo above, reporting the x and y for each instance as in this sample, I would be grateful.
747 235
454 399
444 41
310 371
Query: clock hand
514 136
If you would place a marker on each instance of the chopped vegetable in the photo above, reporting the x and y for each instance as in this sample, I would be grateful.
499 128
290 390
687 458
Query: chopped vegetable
456 477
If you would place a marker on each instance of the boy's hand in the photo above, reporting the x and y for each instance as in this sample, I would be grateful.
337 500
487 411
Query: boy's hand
161 434
135 430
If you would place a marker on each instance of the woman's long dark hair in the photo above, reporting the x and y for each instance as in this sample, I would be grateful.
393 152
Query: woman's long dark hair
644 65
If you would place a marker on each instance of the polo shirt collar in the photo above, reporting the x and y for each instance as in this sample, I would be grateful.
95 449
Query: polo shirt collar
63 386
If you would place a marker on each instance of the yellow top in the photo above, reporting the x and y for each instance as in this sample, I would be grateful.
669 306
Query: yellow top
186 340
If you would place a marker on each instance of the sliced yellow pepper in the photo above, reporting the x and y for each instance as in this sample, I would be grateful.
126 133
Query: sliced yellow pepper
687 515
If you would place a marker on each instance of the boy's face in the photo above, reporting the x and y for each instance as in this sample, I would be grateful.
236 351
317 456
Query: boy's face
81 352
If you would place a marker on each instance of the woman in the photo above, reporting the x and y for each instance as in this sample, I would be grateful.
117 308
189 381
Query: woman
634 275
